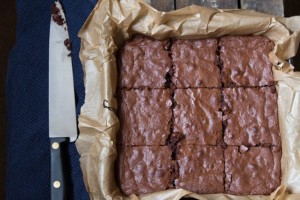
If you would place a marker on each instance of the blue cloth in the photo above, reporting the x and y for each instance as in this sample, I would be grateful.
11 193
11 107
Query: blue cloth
28 174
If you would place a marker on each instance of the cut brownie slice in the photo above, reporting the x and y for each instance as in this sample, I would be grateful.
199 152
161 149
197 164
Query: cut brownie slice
252 171
144 62
245 61
145 117
197 115
145 169
201 169
194 63
250 116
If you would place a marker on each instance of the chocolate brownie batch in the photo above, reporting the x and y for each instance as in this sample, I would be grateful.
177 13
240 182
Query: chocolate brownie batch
200 115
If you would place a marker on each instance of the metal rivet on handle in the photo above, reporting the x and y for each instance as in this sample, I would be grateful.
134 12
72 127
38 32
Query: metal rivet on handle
56 184
55 145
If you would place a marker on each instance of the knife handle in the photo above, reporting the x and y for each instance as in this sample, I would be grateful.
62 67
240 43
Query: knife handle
57 183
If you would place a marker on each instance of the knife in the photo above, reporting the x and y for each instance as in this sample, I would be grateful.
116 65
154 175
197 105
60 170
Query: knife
62 114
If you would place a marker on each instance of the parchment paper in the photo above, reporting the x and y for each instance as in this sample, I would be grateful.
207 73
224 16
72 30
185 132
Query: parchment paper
113 21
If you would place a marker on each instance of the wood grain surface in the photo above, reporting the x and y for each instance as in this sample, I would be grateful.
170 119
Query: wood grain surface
274 7
208 3
162 5
292 8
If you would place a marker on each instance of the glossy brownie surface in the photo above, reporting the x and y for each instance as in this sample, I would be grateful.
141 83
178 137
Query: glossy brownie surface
198 116
145 169
201 169
254 170
144 62
145 116
194 63
245 61
250 116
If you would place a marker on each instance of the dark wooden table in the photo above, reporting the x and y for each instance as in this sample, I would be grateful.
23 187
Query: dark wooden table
276 7
285 8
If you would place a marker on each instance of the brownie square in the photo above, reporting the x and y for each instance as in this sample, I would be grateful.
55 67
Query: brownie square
145 169
198 116
250 116
144 62
145 117
201 169
254 170
194 63
245 61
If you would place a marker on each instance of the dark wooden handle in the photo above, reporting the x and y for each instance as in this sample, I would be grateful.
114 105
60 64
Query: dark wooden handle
57 173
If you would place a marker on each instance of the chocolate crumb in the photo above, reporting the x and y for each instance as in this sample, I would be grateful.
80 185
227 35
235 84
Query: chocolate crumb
223 145
174 139
273 89
275 149
68 44
174 174
54 9
243 149
55 15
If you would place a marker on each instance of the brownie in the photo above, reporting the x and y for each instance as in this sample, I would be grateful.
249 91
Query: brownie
254 170
198 116
250 116
144 62
186 124
145 169
245 61
194 63
201 169
145 116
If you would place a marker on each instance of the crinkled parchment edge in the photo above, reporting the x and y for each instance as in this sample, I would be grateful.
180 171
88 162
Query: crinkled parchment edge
112 21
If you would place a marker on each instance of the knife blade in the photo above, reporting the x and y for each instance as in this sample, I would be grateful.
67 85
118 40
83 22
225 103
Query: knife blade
62 113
